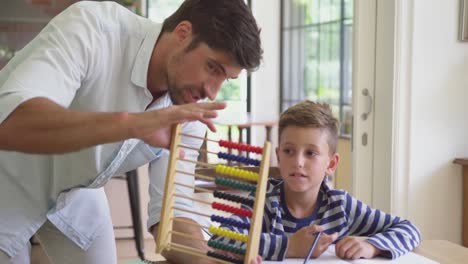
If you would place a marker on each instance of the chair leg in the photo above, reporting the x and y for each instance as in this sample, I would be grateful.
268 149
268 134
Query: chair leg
133 192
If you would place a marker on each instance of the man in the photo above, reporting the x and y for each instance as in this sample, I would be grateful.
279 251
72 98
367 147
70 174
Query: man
94 95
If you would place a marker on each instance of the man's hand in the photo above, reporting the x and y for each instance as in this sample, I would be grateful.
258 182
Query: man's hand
299 243
179 257
355 248
154 127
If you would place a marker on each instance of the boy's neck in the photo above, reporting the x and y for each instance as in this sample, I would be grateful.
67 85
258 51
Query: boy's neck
301 204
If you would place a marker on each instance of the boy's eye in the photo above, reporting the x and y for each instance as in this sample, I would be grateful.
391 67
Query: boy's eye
287 151
311 153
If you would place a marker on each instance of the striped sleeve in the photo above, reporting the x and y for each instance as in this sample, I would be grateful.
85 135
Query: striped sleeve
273 247
393 235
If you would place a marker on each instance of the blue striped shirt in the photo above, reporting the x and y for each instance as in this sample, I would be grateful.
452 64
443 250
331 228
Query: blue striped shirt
336 211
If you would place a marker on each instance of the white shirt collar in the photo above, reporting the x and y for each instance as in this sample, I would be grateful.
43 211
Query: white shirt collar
140 69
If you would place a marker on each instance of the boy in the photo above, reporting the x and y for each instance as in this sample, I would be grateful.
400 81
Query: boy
301 204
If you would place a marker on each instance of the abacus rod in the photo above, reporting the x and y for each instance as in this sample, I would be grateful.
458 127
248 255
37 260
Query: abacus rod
175 219
210 178
196 175
193 187
198 162
199 150
190 211
187 236
207 139
192 198
195 252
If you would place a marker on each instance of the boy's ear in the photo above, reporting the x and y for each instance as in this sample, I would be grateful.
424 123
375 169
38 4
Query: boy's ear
333 163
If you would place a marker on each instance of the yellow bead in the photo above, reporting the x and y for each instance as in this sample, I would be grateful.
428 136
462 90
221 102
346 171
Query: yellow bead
256 176
242 173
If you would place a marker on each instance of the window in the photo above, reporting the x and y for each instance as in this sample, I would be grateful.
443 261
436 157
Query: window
234 91
316 49
158 10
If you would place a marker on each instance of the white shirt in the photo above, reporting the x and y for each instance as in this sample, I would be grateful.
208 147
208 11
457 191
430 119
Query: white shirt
92 57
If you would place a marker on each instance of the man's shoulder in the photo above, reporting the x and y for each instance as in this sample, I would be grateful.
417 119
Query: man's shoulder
96 6
106 16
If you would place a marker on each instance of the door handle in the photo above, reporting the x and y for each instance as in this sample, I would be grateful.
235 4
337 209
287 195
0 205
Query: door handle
367 94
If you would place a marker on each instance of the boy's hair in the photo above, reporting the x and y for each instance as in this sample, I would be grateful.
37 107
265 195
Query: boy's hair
224 25
310 114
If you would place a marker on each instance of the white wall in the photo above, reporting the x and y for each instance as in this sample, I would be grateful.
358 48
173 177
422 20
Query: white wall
265 81
438 119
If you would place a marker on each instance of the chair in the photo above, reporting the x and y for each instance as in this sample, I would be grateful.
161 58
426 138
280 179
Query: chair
134 197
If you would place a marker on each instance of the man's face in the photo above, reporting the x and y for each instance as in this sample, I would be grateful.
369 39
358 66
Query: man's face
198 73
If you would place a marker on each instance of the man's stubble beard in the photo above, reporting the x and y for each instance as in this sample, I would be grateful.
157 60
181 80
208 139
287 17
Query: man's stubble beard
173 92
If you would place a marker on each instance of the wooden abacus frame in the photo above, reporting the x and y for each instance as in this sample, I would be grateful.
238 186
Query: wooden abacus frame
165 229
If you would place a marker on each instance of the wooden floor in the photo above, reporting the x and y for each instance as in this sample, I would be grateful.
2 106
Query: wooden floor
125 252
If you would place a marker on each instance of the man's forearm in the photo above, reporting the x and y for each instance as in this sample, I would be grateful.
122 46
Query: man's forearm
194 231
44 127
41 126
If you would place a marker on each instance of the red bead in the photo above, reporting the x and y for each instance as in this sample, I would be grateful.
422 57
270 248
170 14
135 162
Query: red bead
222 143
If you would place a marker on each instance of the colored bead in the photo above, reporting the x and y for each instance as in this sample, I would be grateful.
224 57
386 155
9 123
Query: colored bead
227 247
235 184
224 257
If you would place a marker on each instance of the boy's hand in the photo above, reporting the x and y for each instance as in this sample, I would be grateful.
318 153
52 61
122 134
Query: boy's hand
257 260
299 243
355 248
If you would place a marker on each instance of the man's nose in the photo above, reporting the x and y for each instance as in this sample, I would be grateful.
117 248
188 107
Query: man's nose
211 89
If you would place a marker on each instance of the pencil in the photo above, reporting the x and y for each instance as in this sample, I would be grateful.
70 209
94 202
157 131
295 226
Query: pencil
312 247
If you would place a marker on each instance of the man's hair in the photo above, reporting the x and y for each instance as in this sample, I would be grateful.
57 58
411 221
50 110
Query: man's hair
311 114
224 25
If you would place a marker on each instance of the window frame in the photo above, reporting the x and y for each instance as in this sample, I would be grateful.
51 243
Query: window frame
286 98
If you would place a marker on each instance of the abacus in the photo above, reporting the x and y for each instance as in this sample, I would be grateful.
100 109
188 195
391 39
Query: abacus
234 178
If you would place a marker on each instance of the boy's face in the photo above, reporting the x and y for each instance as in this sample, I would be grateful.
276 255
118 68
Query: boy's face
304 158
